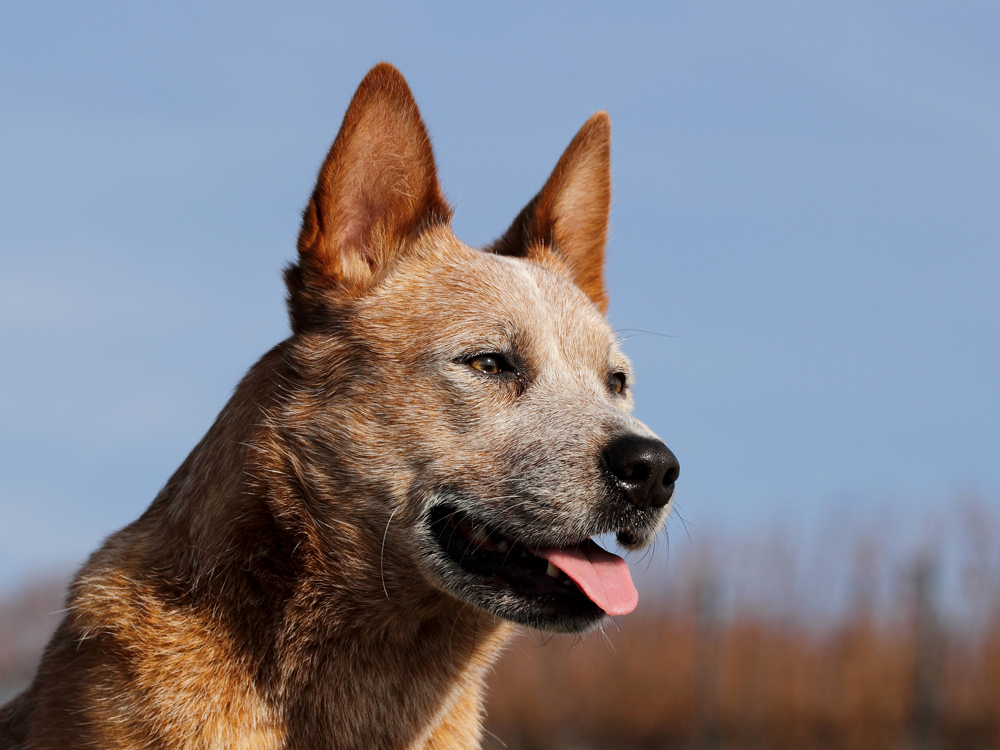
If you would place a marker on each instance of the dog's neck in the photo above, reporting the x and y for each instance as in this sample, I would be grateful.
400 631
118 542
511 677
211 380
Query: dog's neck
305 603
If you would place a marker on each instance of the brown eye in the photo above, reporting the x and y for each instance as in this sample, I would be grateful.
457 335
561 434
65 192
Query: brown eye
491 364
617 382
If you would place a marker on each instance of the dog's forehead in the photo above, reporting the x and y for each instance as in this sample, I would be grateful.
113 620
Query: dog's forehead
467 297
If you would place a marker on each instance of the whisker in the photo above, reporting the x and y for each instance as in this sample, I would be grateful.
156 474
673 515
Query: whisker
381 559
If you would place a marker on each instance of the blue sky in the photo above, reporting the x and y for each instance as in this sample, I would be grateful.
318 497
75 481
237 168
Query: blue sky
806 210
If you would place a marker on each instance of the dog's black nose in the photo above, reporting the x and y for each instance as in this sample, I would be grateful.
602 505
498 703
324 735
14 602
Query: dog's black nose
644 470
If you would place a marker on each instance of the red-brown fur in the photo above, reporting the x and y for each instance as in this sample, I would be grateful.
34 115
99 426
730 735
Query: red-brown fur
571 211
274 594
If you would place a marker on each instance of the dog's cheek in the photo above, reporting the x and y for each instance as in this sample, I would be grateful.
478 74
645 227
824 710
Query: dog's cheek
438 434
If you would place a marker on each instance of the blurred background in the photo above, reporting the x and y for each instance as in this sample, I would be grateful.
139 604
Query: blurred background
804 264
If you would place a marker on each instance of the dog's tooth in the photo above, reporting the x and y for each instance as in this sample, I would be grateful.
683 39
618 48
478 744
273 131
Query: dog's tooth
552 571
503 546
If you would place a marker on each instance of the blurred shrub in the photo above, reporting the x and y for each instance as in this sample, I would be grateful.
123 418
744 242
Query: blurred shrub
27 619
752 644
851 638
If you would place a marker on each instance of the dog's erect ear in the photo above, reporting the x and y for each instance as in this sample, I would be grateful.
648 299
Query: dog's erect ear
377 186
570 215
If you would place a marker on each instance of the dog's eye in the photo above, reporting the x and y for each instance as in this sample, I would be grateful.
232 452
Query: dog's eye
491 364
617 382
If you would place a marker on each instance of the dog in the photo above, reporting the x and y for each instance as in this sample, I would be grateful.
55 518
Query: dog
416 470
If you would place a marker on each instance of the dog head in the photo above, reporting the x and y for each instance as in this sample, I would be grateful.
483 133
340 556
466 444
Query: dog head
468 411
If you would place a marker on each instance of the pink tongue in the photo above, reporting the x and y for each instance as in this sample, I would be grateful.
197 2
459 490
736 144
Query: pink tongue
602 576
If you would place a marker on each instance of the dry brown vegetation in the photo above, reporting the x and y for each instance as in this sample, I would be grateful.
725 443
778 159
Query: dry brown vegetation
752 683
760 646
27 619
750 643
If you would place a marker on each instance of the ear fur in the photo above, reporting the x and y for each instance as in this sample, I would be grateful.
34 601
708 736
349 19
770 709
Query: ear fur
376 188
569 217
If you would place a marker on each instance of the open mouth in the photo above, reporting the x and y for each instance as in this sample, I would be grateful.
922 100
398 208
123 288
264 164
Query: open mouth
575 577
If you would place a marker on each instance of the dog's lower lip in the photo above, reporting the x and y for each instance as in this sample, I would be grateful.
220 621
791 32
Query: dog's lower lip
582 569
484 551
627 536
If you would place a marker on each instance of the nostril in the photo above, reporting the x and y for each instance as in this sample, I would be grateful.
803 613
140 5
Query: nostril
670 475
637 473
